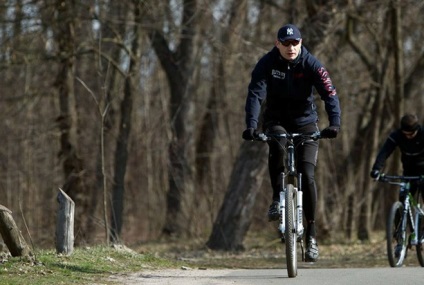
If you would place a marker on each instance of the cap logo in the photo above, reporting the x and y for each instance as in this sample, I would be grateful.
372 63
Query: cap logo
289 31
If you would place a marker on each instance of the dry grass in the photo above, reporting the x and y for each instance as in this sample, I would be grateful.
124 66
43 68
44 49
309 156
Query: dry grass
263 252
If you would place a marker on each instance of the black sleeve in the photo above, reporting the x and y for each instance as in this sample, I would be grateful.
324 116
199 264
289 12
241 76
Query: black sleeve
327 91
386 150
256 93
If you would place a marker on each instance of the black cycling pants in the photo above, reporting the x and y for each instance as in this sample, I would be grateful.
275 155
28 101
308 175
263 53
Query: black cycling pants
306 154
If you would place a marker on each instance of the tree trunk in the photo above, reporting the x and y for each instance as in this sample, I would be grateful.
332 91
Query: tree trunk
11 235
372 126
121 152
179 67
73 166
234 218
209 155
398 54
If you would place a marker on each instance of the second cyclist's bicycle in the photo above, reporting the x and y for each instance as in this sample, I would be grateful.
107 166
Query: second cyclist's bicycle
405 223
291 212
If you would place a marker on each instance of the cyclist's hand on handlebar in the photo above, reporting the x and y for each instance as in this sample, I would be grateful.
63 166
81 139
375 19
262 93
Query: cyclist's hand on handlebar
250 134
375 173
330 132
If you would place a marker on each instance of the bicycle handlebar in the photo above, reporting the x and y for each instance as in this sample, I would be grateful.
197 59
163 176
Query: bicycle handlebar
401 178
269 136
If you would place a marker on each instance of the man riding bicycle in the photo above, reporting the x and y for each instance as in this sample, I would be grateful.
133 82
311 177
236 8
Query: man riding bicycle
410 140
286 77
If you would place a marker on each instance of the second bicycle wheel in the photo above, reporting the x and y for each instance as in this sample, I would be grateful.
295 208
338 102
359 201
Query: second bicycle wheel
290 232
420 245
395 236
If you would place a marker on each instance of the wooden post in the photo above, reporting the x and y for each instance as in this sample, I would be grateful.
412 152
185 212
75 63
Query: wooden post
65 224
11 235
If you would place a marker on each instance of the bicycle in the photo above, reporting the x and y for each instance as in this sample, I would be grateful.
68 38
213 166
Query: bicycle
406 218
291 210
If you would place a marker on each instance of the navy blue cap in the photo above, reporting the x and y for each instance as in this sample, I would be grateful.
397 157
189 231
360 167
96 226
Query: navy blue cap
289 32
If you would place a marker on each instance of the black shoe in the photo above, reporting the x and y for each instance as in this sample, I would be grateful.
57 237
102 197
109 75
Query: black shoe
312 252
274 211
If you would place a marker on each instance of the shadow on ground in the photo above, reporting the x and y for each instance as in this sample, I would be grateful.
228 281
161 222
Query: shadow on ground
265 252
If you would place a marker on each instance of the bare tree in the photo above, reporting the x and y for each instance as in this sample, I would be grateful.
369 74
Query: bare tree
121 152
378 66
73 165
178 66
187 88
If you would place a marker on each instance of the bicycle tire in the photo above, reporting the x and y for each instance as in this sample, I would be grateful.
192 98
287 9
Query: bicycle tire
395 235
290 232
420 245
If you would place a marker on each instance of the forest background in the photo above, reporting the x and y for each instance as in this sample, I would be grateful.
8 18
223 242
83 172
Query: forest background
136 108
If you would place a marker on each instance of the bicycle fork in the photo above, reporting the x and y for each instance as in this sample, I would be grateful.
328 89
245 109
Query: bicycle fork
414 234
407 215
415 230
299 207
413 238
299 228
410 219
299 212
282 226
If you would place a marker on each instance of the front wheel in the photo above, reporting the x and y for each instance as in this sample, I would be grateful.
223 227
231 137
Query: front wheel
290 232
396 235
420 245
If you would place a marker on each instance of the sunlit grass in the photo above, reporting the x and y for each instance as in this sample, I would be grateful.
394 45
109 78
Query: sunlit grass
83 266
101 264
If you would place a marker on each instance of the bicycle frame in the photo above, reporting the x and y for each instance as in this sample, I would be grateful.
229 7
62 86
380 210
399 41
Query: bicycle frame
412 214
291 197
291 177
410 204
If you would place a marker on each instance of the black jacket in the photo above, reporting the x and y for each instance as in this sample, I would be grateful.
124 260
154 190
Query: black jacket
412 152
287 89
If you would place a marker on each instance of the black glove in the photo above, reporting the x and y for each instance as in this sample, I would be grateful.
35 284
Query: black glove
330 132
249 134
375 173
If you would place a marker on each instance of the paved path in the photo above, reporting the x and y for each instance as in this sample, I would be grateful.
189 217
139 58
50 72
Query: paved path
306 276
